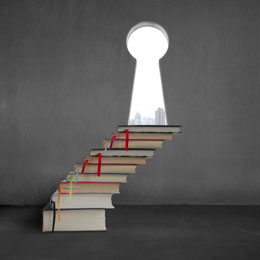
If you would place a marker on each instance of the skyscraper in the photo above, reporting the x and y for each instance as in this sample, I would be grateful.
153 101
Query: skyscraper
160 116
137 119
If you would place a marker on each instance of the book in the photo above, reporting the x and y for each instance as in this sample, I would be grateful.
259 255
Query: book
152 144
91 168
73 220
107 177
83 200
150 128
143 136
90 187
123 152
116 160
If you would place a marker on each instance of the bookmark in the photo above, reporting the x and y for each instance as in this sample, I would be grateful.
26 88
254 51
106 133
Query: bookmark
106 145
84 165
59 203
54 215
112 141
126 139
99 164
77 174
70 196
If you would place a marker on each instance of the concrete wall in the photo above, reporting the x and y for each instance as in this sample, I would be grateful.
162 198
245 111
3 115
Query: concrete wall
66 80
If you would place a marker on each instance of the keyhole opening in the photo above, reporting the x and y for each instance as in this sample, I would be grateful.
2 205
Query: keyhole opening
147 42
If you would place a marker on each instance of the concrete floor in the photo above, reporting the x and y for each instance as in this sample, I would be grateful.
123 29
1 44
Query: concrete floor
138 232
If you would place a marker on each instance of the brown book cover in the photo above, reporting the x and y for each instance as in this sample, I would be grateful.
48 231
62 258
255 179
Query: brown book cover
116 160
150 144
92 168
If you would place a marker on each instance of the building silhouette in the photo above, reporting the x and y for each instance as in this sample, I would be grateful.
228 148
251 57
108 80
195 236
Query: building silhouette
160 116
148 121
137 119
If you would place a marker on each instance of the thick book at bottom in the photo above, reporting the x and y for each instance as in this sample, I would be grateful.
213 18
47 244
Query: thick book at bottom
73 220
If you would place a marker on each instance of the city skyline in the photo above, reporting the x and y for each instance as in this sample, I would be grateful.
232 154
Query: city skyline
158 119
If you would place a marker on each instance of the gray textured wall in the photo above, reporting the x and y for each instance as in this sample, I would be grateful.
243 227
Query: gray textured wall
66 80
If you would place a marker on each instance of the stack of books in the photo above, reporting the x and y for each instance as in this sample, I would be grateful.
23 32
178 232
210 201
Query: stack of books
80 202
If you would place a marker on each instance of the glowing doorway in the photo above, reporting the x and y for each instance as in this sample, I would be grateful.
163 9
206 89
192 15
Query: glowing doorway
147 42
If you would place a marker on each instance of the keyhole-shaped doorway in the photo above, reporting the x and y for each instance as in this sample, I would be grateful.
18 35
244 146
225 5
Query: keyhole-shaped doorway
147 42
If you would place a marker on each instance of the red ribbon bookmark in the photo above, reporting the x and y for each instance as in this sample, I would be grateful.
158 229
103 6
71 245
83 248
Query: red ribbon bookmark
112 141
126 139
99 164
84 166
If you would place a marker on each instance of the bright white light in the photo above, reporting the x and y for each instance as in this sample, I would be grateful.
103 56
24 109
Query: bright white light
147 44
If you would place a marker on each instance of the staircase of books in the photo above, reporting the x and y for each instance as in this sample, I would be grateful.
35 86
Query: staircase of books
80 201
